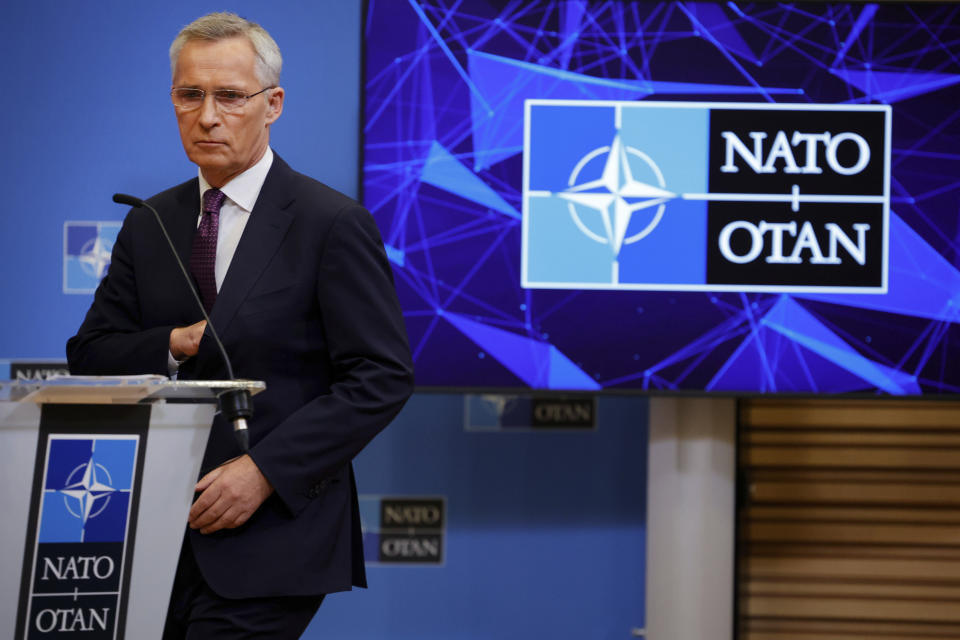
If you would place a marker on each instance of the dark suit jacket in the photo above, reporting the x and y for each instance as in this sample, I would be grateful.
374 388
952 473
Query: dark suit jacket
308 305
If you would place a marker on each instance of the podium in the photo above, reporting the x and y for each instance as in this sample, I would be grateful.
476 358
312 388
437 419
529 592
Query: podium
98 477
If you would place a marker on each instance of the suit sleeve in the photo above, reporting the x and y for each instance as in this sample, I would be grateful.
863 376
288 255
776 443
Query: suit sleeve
373 371
111 340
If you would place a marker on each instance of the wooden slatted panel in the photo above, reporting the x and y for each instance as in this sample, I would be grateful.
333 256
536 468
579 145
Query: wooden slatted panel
849 526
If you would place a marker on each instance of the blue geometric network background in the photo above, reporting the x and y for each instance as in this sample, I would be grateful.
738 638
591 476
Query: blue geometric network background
445 83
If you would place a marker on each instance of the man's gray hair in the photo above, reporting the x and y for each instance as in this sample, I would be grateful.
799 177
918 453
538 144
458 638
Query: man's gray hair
220 26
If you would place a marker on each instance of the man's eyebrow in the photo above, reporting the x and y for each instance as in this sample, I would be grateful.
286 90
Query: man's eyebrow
220 88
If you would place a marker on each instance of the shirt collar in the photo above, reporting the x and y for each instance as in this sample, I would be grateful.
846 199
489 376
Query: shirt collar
245 188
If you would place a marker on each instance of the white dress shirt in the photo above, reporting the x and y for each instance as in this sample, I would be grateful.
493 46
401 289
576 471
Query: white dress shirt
242 193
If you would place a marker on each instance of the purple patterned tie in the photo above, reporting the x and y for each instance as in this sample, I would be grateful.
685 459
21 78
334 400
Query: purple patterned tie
203 260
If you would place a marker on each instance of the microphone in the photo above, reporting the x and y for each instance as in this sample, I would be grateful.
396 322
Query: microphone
235 404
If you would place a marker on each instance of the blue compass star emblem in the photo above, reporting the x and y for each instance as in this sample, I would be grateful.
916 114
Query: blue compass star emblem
88 490
616 195
95 256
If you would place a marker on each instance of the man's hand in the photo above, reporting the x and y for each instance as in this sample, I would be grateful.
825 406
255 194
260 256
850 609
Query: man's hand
185 341
231 493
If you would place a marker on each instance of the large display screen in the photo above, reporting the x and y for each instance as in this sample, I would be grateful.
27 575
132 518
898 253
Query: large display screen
677 196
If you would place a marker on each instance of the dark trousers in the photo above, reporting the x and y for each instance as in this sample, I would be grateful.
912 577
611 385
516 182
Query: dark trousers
197 613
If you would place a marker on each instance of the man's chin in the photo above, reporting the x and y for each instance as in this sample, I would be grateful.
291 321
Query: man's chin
200 152
209 159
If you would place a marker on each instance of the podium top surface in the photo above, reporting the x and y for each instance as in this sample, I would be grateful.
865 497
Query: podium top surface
119 389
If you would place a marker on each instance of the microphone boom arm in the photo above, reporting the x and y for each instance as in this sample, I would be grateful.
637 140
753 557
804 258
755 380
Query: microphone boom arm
235 404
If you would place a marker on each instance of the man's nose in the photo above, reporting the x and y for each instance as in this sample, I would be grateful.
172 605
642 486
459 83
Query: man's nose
209 112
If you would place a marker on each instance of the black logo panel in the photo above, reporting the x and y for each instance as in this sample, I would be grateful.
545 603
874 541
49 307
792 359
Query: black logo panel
822 245
821 152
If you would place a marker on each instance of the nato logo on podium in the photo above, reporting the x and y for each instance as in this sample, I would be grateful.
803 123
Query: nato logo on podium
79 544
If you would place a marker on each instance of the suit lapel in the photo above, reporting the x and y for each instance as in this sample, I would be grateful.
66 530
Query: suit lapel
262 236
182 225
180 219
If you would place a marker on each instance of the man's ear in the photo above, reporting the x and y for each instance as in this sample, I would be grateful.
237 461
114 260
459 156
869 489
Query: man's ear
274 104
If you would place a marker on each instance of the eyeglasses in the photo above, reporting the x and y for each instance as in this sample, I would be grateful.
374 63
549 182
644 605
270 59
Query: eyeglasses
188 99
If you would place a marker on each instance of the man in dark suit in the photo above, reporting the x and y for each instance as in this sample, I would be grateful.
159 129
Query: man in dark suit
298 286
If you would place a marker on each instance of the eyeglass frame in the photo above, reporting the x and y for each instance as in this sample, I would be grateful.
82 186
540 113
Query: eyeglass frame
203 96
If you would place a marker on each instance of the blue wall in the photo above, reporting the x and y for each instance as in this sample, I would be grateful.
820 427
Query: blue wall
545 534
